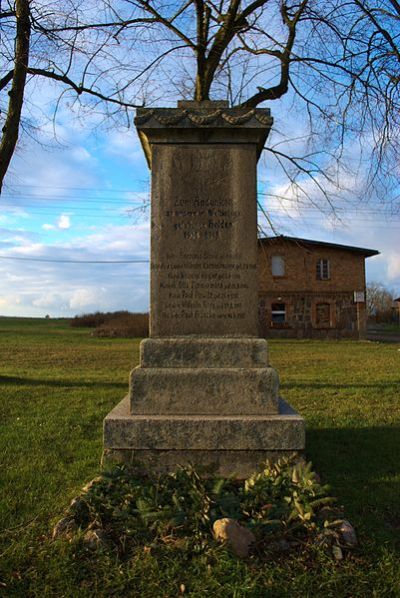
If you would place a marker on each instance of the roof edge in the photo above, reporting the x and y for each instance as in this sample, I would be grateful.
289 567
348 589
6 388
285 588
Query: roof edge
363 250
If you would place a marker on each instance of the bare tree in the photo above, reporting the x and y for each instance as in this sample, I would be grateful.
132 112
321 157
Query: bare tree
359 60
336 61
379 302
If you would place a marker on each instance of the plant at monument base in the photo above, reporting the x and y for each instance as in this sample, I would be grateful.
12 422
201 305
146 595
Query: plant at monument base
285 502
286 495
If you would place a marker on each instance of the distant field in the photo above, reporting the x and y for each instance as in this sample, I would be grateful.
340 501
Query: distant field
58 383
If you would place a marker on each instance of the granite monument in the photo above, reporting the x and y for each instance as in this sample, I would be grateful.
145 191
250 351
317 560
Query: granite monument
204 391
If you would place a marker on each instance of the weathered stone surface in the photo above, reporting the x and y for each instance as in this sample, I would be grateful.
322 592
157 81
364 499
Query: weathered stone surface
65 528
238 537
284 431
203 352
204 223
95 538
226 391
92 483
348 533
206 122
204 392
204 241
203 105
222 463
337 553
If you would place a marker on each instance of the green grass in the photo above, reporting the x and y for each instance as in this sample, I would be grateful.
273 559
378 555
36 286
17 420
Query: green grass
57 384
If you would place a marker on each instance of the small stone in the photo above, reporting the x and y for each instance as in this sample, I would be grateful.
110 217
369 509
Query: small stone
237 536
92 483
95 538
66 527
348 533
337 553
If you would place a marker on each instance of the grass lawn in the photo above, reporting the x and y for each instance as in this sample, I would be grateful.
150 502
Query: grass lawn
57 384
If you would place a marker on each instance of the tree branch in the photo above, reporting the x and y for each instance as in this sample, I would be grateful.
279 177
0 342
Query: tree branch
6 79
120 24
277 91
7 13
79 89
146 5
246 12
378 27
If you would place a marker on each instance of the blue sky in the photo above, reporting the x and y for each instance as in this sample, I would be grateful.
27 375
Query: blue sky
83 197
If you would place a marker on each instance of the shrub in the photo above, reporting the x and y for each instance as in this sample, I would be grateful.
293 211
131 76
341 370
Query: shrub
115 324
90 320
124 324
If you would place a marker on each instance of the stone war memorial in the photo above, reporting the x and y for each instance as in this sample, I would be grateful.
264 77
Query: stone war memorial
204 392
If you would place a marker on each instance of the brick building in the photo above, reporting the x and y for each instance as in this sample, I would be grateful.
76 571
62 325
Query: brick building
311 289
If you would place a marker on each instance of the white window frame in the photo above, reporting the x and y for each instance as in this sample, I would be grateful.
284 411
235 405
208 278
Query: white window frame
278 261
321 268
278 312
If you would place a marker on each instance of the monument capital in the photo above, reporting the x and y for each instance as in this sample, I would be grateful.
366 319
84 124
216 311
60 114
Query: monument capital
202 122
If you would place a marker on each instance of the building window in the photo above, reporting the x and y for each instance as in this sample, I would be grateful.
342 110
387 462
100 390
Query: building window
323 315
278 265
323 270
278 313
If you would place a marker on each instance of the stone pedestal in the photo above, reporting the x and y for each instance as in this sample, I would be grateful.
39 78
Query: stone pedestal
204 391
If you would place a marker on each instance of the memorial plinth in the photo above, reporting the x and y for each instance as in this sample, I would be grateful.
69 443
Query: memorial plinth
204 391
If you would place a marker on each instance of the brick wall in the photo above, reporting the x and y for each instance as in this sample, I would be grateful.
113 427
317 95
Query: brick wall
313 308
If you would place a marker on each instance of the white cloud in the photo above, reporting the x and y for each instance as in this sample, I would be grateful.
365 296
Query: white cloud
80 154
125 144
49 300
9 300
65 289
64 222
84 298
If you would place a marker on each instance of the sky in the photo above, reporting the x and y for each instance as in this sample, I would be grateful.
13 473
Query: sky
84 197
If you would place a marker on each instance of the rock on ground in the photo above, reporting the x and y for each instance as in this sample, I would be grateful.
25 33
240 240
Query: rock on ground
238 537
348 533
66 528
95 538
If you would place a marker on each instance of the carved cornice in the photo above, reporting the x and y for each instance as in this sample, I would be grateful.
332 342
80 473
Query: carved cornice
210 122
220 117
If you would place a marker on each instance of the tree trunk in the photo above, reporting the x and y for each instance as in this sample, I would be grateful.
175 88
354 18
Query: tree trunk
11 126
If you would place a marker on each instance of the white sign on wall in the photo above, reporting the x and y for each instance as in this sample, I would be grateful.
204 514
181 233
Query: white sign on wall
359 297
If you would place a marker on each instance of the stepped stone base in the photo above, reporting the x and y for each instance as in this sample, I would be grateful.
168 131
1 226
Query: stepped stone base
192 375
217 443
153 391
204 352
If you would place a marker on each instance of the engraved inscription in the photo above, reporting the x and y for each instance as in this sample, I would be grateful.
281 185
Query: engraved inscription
204 241
204 289
197 224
